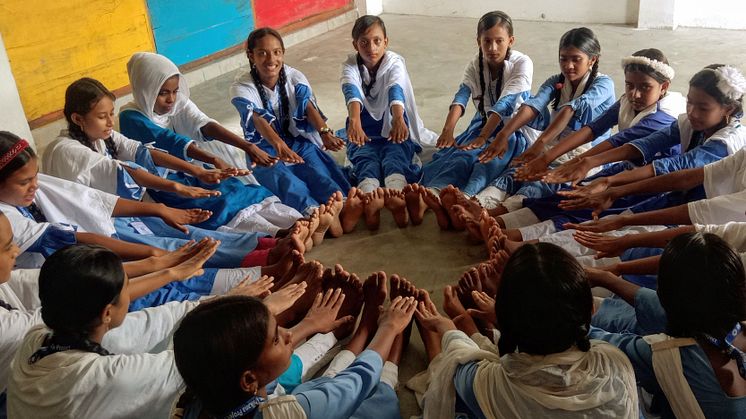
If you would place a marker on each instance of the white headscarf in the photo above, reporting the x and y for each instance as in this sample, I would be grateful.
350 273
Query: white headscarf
147 72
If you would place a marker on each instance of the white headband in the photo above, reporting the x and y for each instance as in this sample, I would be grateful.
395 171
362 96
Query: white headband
660 67
731 82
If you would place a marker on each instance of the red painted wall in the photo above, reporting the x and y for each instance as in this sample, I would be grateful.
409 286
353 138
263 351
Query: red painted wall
280 13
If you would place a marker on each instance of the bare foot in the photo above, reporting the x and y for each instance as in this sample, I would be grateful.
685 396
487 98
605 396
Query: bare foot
471 205
284 246
279 270
448 198
374 202
353 210
498 211
489 273
485 223
472 224
352 288
313 225
310 273
468 282
433 202
334 206
415 204
325 220
395 202
374 294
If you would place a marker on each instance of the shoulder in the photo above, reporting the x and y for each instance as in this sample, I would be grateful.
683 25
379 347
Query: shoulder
603 80
519 58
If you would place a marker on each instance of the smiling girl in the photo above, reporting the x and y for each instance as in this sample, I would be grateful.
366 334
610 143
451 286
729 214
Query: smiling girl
280 115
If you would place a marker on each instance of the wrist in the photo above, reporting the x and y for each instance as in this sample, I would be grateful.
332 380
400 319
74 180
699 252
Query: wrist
325 131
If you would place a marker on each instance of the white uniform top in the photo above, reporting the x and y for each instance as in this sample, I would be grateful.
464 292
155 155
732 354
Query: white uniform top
725 188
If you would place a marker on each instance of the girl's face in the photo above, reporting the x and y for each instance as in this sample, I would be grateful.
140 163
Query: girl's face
574 64
268 57
166 98
98 123
703 111
275 357
8 250
19 189
642 90
371 45
494 43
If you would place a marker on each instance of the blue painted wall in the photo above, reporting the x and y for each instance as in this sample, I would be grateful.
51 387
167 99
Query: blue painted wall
187 30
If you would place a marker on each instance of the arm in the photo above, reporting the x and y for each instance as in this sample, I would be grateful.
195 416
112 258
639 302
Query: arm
331 142
446 138
355 132
399 131
672 215
525 115
123 249
148 180
610 246
214 130
644 266
172 216
265 129
624 289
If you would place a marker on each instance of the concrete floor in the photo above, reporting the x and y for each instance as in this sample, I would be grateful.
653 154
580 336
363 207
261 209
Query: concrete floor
437 50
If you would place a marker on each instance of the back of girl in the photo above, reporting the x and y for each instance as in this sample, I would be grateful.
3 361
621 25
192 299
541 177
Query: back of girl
384 132
498 81
62 371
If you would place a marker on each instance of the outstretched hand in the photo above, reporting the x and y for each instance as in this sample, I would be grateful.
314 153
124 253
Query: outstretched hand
178 218
285 297
322 316
610 223
429 317
574 171
398 315
604 245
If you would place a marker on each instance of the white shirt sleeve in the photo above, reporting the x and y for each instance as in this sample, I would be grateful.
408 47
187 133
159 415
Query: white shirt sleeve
719 210
726 176
733 233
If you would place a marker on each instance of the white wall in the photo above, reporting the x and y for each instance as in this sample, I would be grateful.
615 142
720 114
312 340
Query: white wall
721 14
12 117
582 11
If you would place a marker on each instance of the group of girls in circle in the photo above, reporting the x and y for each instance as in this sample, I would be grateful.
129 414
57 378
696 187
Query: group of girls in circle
159 271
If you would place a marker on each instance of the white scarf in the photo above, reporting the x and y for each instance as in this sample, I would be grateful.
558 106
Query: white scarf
672 104
391 70
512 82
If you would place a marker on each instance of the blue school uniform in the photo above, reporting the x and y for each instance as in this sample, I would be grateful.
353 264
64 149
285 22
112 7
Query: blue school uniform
380 161
697 369
302 186
460 168
586 106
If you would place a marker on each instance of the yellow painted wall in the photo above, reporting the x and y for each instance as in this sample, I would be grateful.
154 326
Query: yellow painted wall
52 43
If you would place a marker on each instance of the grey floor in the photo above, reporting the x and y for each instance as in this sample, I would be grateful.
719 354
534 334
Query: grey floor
436 50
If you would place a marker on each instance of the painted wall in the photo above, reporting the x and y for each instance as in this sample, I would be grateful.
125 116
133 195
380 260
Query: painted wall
590 11
51 44
269 14
187 30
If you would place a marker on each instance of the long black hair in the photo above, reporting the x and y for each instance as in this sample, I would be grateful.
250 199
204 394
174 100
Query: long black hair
585 40
701 285
7 141
80 97
487 22
76 283
544 302
251 41
215 343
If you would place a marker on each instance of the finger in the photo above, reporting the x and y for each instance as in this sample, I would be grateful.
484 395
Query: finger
339 298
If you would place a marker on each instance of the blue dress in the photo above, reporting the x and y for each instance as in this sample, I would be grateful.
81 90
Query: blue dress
302 186
235 194
587 107
460 168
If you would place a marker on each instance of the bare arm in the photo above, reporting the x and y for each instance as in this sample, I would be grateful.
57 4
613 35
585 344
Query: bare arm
446 138
284 153
497 149
123 249
214 130
618 285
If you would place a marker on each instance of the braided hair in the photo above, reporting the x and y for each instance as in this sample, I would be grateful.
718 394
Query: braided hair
76 283
362 24
80 97
585 40
487 22
544 302
251 41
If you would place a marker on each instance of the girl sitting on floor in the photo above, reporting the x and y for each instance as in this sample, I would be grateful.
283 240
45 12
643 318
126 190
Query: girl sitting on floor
280 115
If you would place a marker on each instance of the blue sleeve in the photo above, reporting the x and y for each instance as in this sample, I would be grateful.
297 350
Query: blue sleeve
54 238
645 127
540 103
127 187
303 96
637 350
657 142
600 91
651 317
291 378
505 106
351 93
699 156
339 397
246 110
464 384
462 96
135 125
606 121
396 94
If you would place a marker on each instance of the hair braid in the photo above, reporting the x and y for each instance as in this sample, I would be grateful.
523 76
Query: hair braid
594 73
259 87
558 92
284 102
482 86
